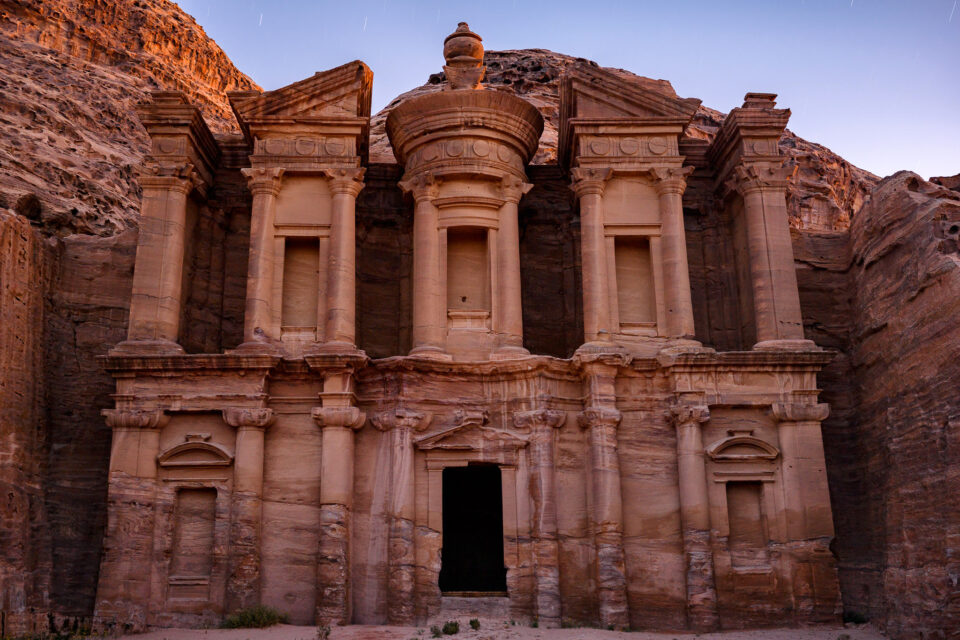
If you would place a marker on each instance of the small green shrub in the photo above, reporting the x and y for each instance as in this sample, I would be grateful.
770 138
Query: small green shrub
256 617
450 627
435 632
474 624
534 623
323 632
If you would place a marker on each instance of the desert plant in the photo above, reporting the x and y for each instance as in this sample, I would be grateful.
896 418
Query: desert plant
435 632
256 617
474 624
323 632
534 623
451 627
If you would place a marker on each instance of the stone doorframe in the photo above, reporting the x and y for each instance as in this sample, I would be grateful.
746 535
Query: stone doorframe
471 439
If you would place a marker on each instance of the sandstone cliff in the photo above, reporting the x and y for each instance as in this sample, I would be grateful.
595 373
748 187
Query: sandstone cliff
73 72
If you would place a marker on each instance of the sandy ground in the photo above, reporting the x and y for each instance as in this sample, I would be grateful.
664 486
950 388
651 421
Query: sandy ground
490 630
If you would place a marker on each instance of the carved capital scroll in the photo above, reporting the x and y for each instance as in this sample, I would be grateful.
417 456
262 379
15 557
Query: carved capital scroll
346 180
340 417
135 418
263 181
589 181
401 419
795 412
670 179
424 186
761 176
688 415
512 188
172 176
599 417
243 417
526 420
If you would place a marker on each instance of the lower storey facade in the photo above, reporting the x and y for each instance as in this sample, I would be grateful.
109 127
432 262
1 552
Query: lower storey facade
682 491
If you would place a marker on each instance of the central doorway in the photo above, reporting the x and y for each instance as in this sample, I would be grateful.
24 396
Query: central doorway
472 553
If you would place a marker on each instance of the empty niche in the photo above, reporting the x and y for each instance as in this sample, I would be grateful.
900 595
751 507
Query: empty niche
468 271
301 283
635 293
192 560
748 539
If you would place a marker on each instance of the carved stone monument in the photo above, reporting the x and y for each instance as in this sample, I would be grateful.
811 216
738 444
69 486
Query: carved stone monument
645 480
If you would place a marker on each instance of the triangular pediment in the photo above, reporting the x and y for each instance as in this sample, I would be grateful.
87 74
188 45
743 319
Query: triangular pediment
594 93
468 435
343 92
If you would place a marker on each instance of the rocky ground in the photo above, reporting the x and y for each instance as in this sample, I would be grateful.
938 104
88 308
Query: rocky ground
499 630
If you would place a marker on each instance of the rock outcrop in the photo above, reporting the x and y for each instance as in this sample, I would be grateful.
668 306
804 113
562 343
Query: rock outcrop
73 72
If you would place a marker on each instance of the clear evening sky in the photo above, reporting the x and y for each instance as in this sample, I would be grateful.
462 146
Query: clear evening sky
876 81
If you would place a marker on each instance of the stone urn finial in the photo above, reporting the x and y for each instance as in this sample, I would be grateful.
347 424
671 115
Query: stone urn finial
463 51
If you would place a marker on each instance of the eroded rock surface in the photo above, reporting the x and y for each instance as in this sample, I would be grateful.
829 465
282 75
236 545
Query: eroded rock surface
73 72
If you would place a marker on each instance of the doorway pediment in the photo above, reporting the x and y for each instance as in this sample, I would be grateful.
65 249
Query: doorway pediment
471 433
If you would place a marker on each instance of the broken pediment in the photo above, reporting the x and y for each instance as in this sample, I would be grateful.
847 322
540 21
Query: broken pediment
588 92
470 433
338 95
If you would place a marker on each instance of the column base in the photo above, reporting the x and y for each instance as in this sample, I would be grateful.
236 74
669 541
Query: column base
509 353
147 348
786 345
255 347
430 353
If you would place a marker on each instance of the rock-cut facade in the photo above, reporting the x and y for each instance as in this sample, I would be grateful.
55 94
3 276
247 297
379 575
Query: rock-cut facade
576 394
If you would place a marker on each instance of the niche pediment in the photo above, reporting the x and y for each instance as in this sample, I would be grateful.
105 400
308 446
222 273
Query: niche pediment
197 451
594 93
742 446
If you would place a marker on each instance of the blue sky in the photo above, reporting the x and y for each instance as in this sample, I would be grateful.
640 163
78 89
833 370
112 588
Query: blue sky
878 82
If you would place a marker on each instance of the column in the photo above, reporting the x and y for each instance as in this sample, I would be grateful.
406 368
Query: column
543 425
264 184
509 307
601 424
338 422
670 184
399 425
695 517
345 185
124 586
429 305
588 184
158 275
806 499
246 511
776 298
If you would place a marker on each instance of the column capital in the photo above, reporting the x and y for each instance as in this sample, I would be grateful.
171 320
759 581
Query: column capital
546 417
796 412
686 415
423 186
589 181
512 188
668 180
263 180
172 176
341 417
346 180
244 417
760 176
599 417
135 418
401 419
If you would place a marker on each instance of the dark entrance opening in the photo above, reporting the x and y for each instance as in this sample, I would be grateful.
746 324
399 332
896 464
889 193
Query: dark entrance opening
472 554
